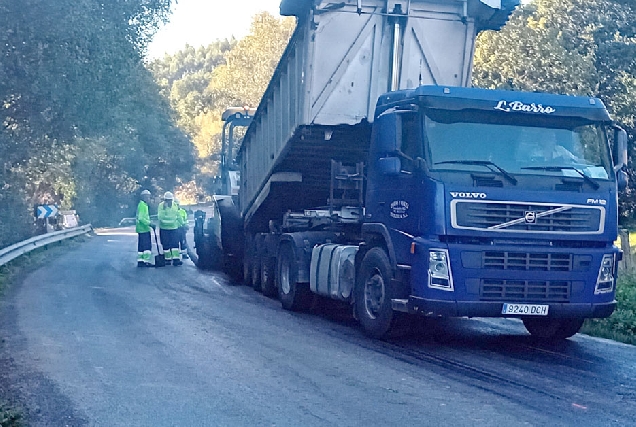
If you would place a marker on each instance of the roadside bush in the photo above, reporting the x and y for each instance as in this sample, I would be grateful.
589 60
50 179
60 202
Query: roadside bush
9 418
621 326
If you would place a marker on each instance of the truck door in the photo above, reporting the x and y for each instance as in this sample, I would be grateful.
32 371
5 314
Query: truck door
394 198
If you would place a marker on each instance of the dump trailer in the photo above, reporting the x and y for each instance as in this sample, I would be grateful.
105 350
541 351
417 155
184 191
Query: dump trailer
373 174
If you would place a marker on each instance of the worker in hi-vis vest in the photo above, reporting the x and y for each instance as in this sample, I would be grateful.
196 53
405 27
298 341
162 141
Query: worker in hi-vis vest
169 223
142 227
183 231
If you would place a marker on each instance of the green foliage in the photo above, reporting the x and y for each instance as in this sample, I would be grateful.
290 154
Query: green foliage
201 83
84 125
184 78
9 417
621 326
248 67
582 47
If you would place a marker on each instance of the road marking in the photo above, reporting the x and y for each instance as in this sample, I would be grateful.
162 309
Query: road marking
216 282
576 405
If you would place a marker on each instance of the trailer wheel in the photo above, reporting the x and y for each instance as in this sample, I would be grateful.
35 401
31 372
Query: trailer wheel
233 267
247 270
268 282
552 329
373 294
247 261
256 269
293 296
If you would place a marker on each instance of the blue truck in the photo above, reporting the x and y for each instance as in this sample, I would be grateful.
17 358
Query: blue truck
373 174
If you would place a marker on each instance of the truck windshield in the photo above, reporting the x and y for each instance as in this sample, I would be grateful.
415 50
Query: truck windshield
459 141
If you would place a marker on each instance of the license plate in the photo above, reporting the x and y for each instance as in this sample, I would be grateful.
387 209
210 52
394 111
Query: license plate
525 309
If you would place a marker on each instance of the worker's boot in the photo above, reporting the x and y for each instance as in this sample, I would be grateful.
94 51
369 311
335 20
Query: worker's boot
177 262
141 264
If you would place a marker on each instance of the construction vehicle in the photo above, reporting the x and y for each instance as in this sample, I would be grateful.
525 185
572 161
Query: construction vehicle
373 174
215 246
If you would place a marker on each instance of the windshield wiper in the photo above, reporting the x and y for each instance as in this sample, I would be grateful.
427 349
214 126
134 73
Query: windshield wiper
587 179
486 163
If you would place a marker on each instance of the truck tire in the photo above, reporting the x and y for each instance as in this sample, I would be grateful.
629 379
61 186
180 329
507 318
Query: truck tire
203 257
268 282
247 261
247 272
208 257
256 268
293 296
233 267
552 329
373 294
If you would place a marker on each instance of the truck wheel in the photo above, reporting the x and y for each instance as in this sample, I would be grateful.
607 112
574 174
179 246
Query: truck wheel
268 284
552 329
373 294
208 257
256 270
247 269
293 296
203 257
247 261
233 267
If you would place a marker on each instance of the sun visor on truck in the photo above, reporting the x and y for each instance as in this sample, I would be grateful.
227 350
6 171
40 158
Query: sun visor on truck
295 7
510 102
493 14
490 14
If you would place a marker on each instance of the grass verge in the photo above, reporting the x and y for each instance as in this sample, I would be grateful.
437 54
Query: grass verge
10 418
620 326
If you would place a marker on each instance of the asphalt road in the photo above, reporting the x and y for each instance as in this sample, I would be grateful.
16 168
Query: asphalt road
90 339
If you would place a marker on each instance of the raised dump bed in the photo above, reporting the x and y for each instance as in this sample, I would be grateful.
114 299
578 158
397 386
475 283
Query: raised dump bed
341 58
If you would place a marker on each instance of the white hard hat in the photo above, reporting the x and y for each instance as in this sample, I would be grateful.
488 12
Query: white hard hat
145 193
168 196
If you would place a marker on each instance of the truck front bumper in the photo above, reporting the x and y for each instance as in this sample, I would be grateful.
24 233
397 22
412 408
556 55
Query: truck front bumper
440 308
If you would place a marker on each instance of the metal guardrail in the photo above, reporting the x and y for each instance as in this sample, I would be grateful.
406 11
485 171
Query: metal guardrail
12 252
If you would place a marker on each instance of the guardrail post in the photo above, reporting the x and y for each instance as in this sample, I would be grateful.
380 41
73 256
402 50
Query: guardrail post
627 264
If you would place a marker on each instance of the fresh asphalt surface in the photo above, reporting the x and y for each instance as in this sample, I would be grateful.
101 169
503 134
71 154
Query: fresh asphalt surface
89 339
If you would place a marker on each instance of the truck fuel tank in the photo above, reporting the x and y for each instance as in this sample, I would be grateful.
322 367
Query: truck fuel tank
333 272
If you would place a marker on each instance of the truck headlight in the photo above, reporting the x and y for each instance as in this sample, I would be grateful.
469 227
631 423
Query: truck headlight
605 281
439 273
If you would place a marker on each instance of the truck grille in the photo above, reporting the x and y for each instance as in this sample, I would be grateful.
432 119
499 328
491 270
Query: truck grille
527 217
525 290
527 261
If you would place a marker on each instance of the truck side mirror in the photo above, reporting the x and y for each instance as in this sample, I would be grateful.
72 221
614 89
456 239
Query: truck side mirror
390 166
389 128
620 136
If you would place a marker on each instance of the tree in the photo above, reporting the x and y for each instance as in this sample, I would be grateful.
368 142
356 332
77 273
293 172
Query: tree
82 116
582 47
201 83
248 67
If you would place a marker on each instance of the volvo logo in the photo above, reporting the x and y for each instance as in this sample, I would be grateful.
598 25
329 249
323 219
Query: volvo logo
530 217
469 195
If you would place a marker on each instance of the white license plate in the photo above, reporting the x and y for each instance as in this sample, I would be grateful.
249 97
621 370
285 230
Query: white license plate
525 309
